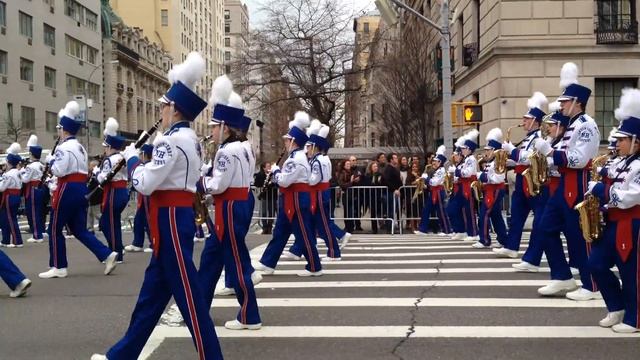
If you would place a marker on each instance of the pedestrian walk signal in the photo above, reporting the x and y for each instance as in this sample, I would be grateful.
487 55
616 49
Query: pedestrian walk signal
472 113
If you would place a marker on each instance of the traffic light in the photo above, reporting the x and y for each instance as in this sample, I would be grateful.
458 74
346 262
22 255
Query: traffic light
472 113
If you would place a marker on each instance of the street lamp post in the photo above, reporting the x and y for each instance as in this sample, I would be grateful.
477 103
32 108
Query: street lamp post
86 101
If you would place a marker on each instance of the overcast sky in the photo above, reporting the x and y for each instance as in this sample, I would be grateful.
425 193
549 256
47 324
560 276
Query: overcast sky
254 5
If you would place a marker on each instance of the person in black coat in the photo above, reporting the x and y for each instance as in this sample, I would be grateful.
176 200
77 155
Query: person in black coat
268 198
392 180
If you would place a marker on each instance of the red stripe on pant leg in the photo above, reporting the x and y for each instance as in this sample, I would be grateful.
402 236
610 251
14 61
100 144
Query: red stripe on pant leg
14 239
113 232
185 282
444 217
326 228
33 212
474 225
304 234
486 228
637 282
236 259
54 233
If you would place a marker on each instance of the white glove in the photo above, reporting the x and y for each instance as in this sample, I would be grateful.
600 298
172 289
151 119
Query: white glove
49 158
425 176
543 147
96 170
130 151
478 174
274 168
451 169
508 147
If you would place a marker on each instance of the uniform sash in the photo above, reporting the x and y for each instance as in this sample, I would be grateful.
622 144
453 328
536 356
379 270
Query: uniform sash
289 192
233 193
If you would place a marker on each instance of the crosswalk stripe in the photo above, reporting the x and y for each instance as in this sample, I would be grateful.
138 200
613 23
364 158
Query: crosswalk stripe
399 283
416 254
410 262
487 270
420 247
410 302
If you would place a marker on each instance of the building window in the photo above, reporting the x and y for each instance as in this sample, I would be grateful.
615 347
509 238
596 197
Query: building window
80 50
227 28
26 70
227 69
615 14
75 86
91 20
94 128
3 14
81 14
49 36
51 120
28 118
607 96
227 56
227 42
49 77
26 24
164 17
227 15
94 92
366 28
3 62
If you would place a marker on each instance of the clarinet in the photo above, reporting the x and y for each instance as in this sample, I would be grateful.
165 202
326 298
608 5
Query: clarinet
269 179
45 172
141 141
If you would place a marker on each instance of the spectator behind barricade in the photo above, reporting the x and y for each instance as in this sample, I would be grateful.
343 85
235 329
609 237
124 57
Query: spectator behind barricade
393 182
268 198
93 211
413 210
336 195
381 159
357 194
404 168
375 197
347 180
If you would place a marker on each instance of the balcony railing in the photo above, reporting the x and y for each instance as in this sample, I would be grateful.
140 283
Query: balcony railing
618 29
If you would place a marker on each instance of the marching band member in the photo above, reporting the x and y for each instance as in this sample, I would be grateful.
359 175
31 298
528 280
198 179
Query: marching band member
230 186
467 174
493 189
33 192
620 241
68 204
437 195
141 219
13 277
522 201
294 203
454 207
170 180
580 143
115 193
10 186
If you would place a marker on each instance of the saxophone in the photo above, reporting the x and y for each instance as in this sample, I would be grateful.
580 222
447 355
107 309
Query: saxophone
589 208
200 206
537 173
420 184
476 186
501 158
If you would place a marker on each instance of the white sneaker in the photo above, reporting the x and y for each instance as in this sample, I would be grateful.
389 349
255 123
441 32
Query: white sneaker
505 253
307 273
525 267
291 256
418 232
256 278
225 291
98 357
237 325
19 245
479 245
557 287
21 289
263 268
11 245
612 318
496 245
38 241
31 240
331 259
472 238
624 328
197 239
459 236
344 240
132 248
148 250
583 294
292 237
442 234
110 263
575 271
53 273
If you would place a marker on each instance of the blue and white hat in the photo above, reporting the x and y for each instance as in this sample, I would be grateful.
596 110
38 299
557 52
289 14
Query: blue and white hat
318 133
183 78
569 83
613 141
494 139
297 128
440 154
458 144
12 154
111 137
535 105
628 113
471 140
556 115
34 148
227 105
68 116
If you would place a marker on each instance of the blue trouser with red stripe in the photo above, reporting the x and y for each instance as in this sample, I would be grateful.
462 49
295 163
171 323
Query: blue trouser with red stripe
231 253
492 213
602 258
171 272
71 210
454 210
322 223
560 216
34 207
533 254
110 220
438 204
141 223
521 205
301 225
9 272
11 230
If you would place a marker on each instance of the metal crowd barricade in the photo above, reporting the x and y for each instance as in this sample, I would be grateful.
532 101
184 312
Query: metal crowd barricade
406 208
362 203
265 210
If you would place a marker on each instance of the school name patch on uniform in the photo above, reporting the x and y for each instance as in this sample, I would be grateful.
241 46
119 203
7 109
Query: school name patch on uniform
586 135
162 153
223 163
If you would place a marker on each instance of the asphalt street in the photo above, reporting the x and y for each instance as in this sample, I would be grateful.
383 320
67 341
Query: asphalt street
391 297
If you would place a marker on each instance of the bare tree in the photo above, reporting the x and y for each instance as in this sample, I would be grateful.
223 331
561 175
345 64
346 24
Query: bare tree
308 42
13 132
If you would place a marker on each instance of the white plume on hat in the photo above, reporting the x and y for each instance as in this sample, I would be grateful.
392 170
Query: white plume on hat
33 141
14 149
111 127
629 104
538 100
568 75
441 150
611 138
189 72
554 106
235 100
71 110
495 134
301 120
314 128
221 90
324 131
460 141
472 135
